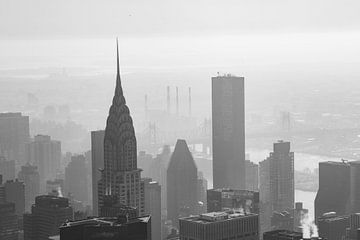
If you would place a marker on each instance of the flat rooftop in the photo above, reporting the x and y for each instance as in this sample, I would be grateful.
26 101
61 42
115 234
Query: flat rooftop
208 218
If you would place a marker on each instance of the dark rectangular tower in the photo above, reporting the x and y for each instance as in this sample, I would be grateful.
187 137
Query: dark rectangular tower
228 128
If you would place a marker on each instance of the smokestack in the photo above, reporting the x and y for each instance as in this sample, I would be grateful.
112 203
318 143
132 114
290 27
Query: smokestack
189 101
177 101
168 99
146 105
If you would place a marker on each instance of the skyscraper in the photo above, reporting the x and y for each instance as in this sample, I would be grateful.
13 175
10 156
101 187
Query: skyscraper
9 228
30 176
228 124
76 179
276 183
334 189
97 163
120 175
44 153
14 134
15 193
47 215
181 183
153 206
7 168
252 176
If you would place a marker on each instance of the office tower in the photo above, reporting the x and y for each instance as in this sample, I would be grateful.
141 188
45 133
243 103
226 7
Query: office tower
219 226
282 235
7 168
15 193
181 183
112 208
252 176
108 228
97 163
228 127
145 162
334 189
56 185
120 175
153 206
202 186
31 178
299 214
47 215
333 227
76 179
9 228
46 155
14 134
224 199
2 191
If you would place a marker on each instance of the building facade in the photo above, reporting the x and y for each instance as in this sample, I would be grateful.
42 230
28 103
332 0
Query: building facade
31 178
219 226
152 191
76 179
15 193
228 132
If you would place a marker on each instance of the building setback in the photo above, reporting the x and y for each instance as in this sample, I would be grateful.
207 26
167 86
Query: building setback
219 226
121 176
181 183
228 131
47 215
108 228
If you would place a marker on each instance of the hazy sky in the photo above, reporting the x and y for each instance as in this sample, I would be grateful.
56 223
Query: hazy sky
51 18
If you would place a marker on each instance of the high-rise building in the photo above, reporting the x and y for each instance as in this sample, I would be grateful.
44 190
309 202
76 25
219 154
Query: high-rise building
334 189
282 235
219 226
9 228
120 175
276 183
153 206
181 183
14 134
31 178
44 153
282 220
252 176
47 215
333 227
15 193
354 187
299 214
97 163
353 231
112 208
7 168
225 199
56 185
76 179
138 228
228 127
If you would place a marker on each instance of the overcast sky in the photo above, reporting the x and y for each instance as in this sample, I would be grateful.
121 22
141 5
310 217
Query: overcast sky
54 18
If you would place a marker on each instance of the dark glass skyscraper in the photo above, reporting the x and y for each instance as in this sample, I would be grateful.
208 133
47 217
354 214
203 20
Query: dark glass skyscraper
228 124
121 176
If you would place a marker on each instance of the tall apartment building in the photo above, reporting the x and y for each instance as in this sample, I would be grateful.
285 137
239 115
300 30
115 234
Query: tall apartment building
44 153
228 132
14 135
31 178
15 193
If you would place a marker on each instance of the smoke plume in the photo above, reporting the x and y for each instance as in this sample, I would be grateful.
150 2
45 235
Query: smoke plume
309 229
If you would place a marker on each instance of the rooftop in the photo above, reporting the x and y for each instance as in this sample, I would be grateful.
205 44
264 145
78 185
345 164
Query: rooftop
211 217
